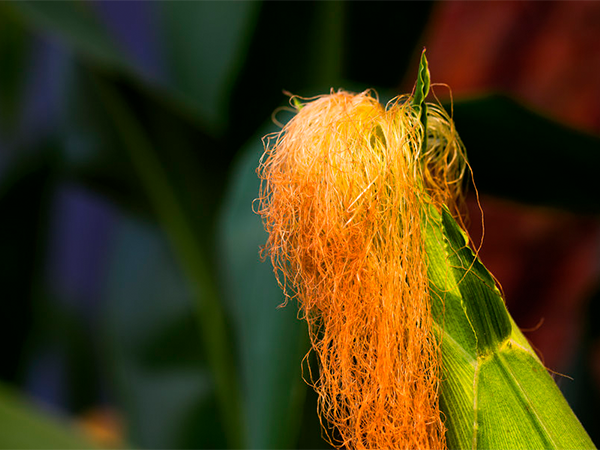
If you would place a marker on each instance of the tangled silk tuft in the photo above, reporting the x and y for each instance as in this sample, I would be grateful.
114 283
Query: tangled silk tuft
344 192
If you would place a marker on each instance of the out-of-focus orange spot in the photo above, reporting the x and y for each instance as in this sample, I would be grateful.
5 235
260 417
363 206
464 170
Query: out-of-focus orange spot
104 426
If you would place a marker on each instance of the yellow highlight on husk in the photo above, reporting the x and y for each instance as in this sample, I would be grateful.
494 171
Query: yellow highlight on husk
345 187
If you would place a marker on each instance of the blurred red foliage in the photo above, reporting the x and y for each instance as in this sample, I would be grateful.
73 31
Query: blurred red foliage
546 53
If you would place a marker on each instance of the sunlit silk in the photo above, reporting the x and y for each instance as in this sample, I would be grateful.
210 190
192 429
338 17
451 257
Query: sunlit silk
345 186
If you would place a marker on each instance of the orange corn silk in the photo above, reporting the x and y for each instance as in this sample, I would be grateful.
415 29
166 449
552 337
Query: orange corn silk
345 185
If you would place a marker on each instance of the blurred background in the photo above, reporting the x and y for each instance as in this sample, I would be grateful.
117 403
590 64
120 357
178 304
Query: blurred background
135 309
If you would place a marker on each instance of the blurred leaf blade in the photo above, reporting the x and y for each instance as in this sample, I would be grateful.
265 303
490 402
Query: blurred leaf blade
76 24
206 43
176 222
272 341
180 146
81 30
25 426
160 374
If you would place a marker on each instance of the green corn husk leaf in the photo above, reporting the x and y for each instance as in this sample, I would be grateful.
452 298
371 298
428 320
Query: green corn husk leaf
495 391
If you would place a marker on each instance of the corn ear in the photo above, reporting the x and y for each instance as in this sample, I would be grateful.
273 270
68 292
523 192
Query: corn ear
495 391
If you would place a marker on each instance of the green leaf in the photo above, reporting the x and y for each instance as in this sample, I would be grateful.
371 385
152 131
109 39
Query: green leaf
496 393
271 340
206 43
23 426
76 24
192 169
162 381
199 93
178 222
194 162
423 81
420 93
517 153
